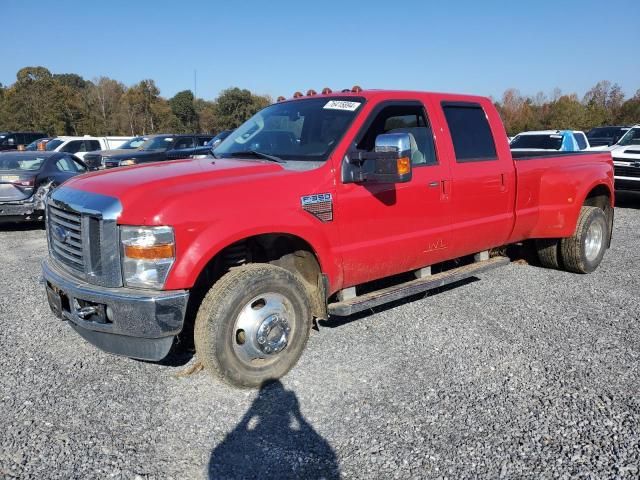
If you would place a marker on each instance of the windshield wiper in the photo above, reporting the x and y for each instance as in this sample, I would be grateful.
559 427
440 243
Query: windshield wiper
255 153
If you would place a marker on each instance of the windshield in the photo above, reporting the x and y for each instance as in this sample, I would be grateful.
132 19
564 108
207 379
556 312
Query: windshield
163 142
542 141
25 163
132 144
304 130
632 137
53 144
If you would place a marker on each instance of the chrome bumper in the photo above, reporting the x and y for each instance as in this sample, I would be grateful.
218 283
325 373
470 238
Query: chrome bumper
134 323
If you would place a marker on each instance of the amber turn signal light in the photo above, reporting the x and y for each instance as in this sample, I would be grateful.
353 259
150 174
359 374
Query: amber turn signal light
153 252
404 165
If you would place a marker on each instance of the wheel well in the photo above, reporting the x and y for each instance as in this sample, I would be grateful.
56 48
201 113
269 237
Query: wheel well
600 197
284 250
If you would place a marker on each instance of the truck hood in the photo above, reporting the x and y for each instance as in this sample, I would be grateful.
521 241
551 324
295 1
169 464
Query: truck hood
149 188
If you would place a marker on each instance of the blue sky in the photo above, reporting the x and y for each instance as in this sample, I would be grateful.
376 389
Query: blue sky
278 47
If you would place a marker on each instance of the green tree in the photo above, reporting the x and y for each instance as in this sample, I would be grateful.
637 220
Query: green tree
235 105
182 106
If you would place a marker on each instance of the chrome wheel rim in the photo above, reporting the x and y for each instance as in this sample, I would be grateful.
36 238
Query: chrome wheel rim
593 241
263 329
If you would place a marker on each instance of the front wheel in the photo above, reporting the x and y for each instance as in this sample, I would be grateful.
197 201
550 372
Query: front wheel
253 325
583 251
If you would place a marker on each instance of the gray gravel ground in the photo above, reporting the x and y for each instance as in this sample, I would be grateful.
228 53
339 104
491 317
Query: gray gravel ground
526 373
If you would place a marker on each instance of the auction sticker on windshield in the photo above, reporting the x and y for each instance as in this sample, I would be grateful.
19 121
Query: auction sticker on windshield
341 105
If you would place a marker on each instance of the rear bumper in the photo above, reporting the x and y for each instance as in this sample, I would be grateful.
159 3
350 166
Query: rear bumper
134 323
25 211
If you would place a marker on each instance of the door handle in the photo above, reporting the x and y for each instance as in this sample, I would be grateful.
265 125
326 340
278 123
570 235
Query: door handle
434 184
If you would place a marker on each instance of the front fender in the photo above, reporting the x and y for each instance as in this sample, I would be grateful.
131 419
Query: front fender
196 247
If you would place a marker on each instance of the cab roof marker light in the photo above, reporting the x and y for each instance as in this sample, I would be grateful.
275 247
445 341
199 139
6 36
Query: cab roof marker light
298 95
356 89
326 91
280 99
311 92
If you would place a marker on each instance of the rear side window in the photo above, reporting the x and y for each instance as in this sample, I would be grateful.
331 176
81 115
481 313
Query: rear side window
470 132
184 142
582 142
74 146
91 145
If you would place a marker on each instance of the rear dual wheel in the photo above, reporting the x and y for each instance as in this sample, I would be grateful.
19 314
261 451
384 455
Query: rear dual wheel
253 325
583 251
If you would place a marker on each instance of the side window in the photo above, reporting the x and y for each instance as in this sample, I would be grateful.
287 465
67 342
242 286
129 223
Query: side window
91 145
408 118
78 166
184 142
66 164
203 140
582 143
470 132
73 146
20 140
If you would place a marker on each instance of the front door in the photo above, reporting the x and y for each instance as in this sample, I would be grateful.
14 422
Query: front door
387 229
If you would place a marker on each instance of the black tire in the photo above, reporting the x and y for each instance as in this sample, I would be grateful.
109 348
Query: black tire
548 250
574 251
220 345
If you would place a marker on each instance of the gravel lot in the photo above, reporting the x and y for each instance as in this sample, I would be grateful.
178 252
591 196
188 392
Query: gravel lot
526 373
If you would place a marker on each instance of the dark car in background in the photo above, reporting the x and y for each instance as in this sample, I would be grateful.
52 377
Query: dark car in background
27 177
606 136
97 159
160 147
11 140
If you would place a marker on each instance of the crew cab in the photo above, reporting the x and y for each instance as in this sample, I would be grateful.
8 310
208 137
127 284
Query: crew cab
324 204
79 146
161 147
603 137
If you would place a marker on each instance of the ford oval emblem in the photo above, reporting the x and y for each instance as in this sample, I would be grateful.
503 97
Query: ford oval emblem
60 233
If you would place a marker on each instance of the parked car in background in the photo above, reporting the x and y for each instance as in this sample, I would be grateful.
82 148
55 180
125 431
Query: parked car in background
11 140
558 140
95 160
605 136
161 147
33 146
626 160
27 177
79 146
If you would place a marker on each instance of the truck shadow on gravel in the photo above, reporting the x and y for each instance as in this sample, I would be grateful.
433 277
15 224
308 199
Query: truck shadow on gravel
273 440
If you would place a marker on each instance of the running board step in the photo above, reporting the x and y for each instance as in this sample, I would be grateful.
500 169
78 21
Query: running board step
390 294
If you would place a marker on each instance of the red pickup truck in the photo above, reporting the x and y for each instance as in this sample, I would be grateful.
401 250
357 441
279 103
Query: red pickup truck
325 204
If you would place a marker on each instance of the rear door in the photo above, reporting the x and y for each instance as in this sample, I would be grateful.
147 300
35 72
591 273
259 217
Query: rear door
482 184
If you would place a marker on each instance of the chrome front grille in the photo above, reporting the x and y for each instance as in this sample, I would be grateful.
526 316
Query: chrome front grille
65 237
83 235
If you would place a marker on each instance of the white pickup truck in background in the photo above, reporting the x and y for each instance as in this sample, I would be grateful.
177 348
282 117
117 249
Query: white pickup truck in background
78 146
626 160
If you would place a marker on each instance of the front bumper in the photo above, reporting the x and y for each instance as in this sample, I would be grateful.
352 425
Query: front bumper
134 323
631 184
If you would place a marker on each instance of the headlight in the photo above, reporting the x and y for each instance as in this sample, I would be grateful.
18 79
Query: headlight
147 255
128 161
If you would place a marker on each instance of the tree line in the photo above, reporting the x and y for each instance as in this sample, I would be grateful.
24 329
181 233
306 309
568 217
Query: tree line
67 104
